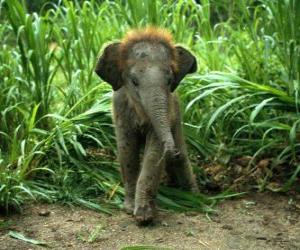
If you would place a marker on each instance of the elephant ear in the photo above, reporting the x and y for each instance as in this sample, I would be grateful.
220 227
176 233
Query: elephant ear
107 67
186 63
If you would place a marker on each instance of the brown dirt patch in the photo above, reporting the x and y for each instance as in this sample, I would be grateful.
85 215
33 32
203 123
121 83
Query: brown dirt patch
259 221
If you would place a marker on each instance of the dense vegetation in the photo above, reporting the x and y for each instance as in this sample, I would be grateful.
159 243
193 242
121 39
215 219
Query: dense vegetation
56 136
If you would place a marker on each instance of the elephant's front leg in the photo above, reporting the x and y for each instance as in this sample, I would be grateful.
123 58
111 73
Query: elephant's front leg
128 154
148 181
180 170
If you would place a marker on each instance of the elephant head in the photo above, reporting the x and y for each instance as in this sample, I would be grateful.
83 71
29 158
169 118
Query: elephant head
149 67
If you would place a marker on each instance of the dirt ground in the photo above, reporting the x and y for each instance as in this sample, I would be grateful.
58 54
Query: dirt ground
258 221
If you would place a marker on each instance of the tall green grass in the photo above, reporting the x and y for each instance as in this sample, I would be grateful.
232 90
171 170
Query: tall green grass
56 134
252 107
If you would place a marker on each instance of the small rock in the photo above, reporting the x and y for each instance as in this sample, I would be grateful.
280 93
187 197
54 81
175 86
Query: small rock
249 203
44 213
263 163
164 223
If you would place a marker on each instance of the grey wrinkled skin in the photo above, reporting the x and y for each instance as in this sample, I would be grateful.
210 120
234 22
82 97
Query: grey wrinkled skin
146 112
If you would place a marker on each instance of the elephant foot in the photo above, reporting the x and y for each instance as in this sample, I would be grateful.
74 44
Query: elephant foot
144 215
128 205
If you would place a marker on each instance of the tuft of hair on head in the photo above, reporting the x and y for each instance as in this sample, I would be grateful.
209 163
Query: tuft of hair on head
149 34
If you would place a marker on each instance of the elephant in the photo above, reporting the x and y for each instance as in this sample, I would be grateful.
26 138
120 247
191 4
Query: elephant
144 69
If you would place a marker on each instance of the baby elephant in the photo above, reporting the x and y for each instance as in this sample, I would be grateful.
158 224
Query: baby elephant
144 69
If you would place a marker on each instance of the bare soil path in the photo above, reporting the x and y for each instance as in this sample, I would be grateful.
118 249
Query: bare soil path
258 221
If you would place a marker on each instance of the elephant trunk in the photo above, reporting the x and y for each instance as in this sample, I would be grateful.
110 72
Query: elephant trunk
157 110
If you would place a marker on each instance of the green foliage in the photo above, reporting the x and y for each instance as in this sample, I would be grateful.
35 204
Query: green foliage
20 236
56 134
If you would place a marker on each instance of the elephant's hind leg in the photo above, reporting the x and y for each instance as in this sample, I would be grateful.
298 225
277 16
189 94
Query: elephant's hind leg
128 154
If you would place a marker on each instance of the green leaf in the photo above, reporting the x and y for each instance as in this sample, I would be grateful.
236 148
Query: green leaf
221 109
258 108
33 117
20 236
291 181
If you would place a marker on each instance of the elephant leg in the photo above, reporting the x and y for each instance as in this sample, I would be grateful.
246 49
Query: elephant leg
128 154
179 170
148 181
